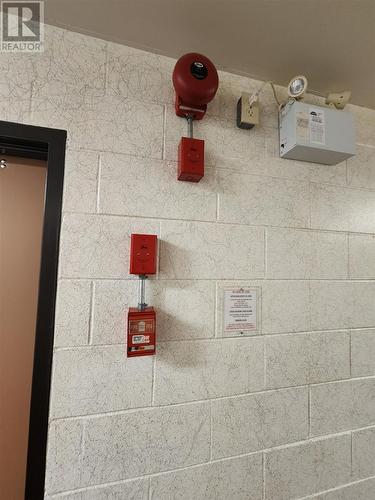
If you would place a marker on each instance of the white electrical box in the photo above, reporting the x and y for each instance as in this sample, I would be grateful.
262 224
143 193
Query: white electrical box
316 134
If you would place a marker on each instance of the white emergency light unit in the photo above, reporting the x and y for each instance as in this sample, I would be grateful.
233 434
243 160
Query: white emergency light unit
316 134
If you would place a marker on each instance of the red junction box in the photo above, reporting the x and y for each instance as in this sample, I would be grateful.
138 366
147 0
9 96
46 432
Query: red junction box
190 159
141 332
143 250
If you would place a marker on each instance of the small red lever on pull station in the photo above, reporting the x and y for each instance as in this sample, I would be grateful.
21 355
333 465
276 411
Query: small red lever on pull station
141 335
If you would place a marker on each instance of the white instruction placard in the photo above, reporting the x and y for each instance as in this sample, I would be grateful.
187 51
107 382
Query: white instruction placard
302 125
240 310
317 126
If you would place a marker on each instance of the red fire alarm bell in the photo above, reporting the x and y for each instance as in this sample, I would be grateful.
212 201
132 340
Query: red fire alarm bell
196 81
142 319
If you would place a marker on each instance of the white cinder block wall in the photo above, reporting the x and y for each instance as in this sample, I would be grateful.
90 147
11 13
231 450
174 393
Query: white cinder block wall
288 413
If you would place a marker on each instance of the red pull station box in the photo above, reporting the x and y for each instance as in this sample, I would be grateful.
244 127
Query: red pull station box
141 332
190 159
143 249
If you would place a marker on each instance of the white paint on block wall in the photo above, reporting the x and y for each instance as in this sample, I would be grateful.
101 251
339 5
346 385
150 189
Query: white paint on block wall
211 418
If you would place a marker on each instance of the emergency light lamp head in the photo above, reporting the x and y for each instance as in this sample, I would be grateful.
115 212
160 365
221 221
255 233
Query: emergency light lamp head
297 87
338 100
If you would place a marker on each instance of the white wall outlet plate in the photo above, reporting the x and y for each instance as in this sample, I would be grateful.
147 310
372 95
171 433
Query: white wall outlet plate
247 115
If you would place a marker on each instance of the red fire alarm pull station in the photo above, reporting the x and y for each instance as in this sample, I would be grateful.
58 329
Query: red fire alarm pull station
196 81
142 319
141 331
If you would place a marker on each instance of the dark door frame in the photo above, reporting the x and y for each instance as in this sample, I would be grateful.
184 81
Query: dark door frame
46 144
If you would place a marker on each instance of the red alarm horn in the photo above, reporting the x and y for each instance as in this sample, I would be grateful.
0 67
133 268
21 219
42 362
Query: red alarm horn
196 81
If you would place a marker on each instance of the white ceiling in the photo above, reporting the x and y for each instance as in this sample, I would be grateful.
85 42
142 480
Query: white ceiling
332 42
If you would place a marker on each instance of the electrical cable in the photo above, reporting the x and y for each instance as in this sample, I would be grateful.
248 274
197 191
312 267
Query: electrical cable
255 95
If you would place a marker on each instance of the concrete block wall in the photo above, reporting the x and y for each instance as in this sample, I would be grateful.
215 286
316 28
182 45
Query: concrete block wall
286 413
